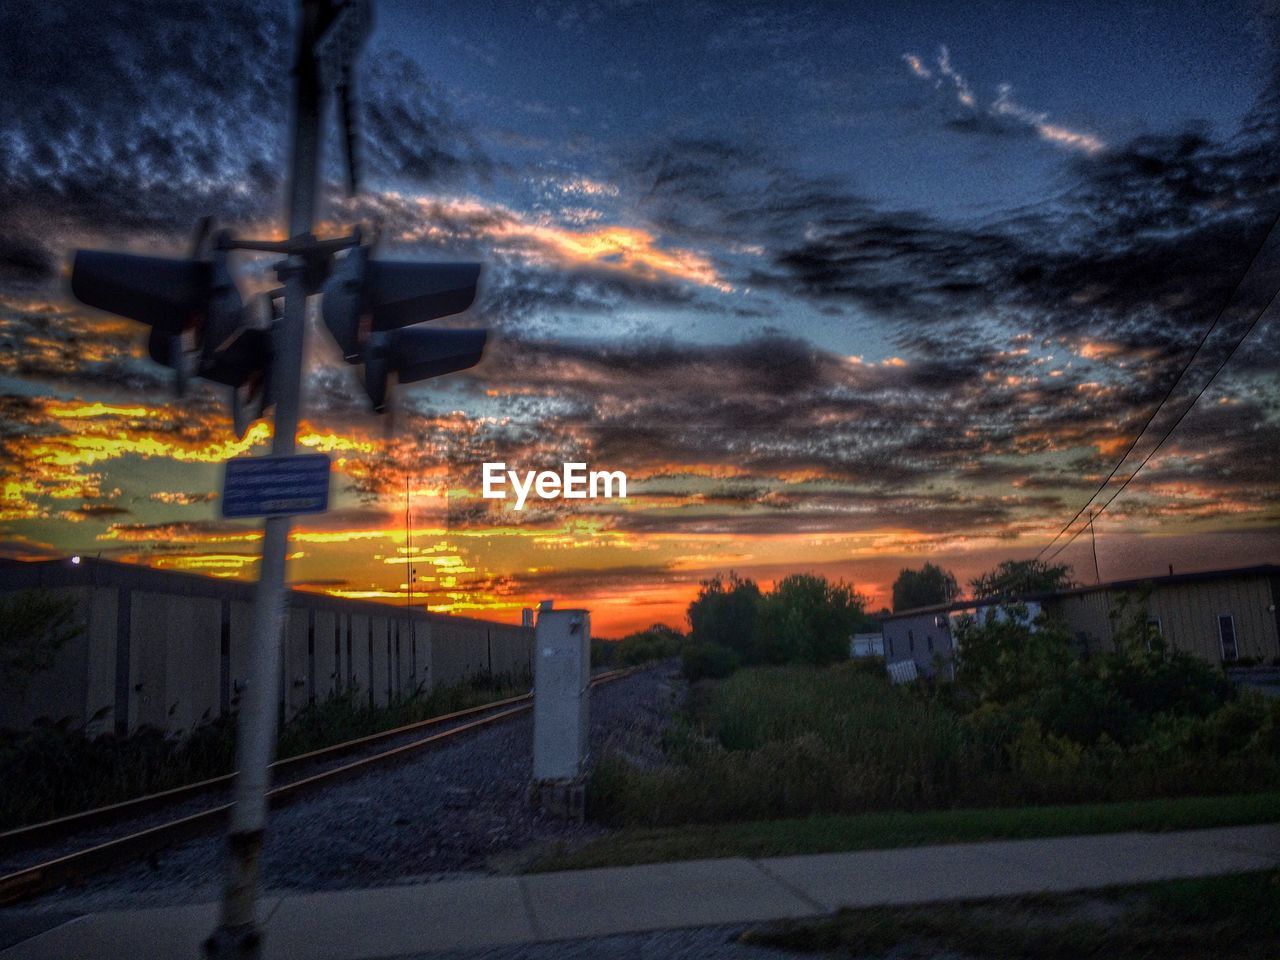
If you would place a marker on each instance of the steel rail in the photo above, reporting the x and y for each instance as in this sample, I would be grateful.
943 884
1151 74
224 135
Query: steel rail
38 878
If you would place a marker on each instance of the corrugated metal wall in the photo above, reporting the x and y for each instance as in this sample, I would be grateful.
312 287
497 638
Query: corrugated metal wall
174 658
1188 615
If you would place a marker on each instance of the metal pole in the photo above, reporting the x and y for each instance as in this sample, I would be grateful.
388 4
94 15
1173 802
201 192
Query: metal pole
238 935
1097 577
409 572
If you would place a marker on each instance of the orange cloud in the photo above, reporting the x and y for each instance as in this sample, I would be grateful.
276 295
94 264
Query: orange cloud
626 249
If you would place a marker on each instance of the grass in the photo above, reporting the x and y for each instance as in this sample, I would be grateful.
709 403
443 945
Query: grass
789 741
1219 918
798 742
826 834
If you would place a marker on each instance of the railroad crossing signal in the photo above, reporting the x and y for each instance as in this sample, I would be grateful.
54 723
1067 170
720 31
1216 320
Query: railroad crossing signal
199 323
200 328
369 306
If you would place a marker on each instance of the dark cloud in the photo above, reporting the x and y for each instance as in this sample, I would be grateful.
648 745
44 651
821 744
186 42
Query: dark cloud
136 120
99 511
24 263
575 583
145 116
1143 248
884 444
42 340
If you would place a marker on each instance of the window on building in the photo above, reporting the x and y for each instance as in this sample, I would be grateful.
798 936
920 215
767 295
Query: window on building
889 641
1227 637
911 641
929 641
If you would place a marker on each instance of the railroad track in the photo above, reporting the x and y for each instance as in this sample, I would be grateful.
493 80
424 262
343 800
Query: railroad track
72 867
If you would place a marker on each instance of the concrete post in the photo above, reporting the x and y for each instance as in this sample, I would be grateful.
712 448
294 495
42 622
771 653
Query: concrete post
561 696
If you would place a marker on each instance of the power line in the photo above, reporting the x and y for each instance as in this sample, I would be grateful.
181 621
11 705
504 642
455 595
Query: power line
1172 427
1173 387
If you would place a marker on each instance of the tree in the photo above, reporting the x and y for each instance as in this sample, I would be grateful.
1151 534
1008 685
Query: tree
656 642
924 587
724 613
1007 655
808 619
34 626
1021 576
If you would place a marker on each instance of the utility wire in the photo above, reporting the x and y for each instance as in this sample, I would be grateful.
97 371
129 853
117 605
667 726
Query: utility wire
1208 383
1173 387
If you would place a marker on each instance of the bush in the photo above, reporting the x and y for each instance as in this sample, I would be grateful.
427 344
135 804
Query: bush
803 619
792 741
34 626
658 642
724 613
807 619
1028 721
708 661
604 653
795 741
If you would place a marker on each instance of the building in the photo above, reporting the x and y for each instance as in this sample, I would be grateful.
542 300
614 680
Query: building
171 650
922 635
866 645
1225 616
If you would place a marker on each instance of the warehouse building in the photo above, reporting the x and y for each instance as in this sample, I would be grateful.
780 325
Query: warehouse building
171 650
1225 616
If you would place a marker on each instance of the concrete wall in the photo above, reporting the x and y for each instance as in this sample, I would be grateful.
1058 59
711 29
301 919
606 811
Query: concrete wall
62 692
296 662
192 662
509 648
172 651
327 645
100 669
457 652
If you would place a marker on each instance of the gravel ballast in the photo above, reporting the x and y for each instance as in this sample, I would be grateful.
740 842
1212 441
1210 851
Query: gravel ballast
458 811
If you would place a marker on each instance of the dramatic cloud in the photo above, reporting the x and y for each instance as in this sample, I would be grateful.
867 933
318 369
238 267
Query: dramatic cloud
142 118
794 370
1002 108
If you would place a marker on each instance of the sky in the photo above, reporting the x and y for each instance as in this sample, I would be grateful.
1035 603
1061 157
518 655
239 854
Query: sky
842 288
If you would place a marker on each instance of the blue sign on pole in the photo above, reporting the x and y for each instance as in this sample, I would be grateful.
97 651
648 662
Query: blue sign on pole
275 486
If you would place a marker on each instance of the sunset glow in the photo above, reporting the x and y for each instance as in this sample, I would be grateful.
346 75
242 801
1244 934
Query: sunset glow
836 295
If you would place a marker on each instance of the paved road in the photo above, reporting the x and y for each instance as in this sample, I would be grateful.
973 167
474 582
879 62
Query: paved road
470 915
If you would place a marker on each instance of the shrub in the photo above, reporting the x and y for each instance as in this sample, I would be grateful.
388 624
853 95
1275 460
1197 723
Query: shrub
604 653
34 626
657 642
724 613
807 619
793 741
708 661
